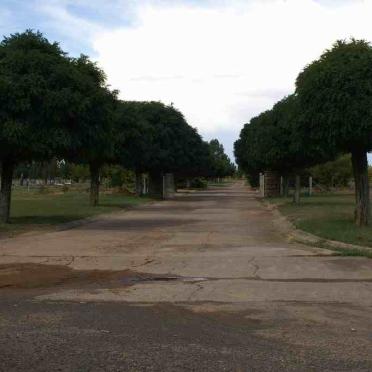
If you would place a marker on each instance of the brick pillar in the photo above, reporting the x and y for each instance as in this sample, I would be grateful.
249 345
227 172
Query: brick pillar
272 184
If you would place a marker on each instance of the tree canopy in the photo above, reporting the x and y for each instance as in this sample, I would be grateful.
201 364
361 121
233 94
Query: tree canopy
34 97
219 163
335 94
155 138
272 141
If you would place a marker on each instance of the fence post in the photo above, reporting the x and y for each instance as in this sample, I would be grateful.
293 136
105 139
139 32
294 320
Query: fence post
310 186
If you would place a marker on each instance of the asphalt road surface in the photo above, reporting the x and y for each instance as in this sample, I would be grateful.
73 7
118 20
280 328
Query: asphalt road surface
205 282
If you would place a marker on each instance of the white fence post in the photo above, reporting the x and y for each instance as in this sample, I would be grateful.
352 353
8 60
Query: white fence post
262 184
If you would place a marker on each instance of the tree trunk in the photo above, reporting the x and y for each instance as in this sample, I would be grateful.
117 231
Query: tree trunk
360 169
139 182
7 170
145 185
285 186
281 186
44 172
296 195
94 184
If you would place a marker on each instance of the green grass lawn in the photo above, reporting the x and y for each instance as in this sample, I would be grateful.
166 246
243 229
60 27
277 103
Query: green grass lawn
327 215
35 210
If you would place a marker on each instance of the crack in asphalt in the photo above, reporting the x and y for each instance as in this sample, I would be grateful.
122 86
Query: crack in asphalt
256 267
71 261
199 288
147 262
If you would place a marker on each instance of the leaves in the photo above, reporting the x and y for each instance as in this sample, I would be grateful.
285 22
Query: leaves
335 95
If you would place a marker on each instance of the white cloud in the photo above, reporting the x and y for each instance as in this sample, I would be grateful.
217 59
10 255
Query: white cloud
221 65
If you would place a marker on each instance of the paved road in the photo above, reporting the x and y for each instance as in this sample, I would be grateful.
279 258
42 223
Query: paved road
206 282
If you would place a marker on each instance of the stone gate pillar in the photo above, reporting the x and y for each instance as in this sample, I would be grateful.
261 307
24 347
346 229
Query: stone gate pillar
272 184
168 186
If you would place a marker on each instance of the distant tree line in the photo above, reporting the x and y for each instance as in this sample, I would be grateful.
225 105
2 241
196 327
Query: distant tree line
337 173
53 106
329 114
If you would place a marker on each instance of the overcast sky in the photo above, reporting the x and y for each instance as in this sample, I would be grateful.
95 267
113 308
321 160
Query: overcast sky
219 62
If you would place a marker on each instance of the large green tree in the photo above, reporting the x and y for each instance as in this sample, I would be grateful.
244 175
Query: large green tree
34 105
249 148
335 95
92 137
219 163
273 141
155 138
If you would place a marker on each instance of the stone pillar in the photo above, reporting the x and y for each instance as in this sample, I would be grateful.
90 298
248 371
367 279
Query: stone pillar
262 184
272 184
168 186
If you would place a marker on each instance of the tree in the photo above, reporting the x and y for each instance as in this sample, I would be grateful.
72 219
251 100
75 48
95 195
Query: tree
34 102
333 173
267 142
92 136
272 142
335 95
247 149
220 164
155 138
78 172
133 138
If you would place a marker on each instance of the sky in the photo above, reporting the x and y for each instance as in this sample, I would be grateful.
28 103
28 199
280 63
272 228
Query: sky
220 62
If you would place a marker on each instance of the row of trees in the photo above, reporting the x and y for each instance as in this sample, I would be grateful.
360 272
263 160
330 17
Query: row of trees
56 106
328 115
56 171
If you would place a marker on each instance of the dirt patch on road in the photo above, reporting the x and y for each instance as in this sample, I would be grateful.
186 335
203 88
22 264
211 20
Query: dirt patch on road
29 275
44 276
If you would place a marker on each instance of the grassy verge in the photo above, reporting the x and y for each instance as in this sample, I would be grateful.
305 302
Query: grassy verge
35 210
354 252
329 216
